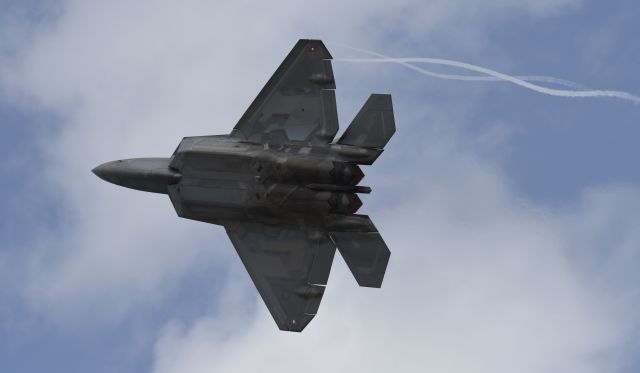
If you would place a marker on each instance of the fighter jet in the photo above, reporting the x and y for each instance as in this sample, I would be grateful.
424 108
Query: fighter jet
284 191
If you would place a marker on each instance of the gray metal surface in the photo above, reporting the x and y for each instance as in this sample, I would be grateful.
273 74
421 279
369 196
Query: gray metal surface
285 194
290 268
373 126
298 102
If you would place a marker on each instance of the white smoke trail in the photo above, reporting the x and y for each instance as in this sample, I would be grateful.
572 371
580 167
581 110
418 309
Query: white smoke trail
494 75
484 78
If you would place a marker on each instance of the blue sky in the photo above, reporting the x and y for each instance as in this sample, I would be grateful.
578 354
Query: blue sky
510 214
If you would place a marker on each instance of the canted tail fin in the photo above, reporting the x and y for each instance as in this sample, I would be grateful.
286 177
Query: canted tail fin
373 126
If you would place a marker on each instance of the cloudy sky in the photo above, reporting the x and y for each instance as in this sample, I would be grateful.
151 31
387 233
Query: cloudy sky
512 216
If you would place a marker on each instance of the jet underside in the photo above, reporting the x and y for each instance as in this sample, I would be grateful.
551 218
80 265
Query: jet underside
223 179
286 194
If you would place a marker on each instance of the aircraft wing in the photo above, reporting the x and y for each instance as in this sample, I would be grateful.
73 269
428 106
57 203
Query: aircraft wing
298 103
290 268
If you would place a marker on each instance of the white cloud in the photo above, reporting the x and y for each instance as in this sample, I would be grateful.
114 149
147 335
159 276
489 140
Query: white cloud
477 281
131 78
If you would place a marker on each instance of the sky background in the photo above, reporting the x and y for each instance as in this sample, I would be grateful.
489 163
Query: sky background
512 216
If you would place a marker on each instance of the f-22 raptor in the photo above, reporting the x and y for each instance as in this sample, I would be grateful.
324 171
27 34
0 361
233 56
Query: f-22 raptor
284 191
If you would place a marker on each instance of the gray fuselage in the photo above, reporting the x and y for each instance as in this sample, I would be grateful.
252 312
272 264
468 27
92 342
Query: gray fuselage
218 179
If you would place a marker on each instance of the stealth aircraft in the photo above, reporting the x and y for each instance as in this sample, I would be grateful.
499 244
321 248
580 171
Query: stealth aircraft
283 189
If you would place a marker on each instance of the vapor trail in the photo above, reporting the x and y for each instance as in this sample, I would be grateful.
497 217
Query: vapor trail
492 74
484 78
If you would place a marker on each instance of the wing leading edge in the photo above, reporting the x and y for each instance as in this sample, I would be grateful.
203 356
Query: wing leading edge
298 103
289 267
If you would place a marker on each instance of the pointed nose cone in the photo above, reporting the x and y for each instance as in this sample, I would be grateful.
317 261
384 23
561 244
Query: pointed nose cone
105 171
146 174
97 171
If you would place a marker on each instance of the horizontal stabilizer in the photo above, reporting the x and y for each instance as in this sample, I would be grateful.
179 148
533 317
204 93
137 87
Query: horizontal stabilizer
373 126
366 254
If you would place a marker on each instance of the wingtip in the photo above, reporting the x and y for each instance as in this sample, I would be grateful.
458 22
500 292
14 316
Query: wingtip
315 46
296 324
